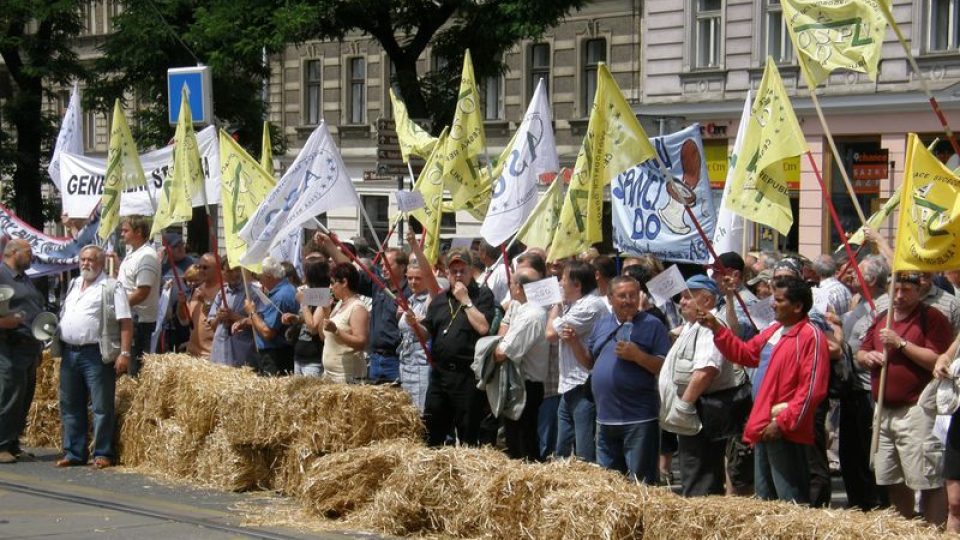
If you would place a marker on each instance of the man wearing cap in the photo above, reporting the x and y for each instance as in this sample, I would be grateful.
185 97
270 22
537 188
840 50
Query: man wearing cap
455 320
759 285
176 248
174 332
790 382
909 457
693 368
19 351
625 351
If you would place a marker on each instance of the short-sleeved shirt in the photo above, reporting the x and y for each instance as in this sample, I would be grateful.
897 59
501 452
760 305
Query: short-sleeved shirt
626 392
80 314
384 330
26 298
453 337
142 268
581 316
284 297
906 379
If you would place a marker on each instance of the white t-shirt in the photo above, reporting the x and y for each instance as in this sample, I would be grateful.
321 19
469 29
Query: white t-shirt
80 314
140 268
581 316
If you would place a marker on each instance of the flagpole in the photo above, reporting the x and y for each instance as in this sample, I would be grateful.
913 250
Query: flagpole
843 235
881 390
923 82
244 273
173 266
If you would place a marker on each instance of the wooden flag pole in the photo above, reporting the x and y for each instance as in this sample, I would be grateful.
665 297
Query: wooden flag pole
875 436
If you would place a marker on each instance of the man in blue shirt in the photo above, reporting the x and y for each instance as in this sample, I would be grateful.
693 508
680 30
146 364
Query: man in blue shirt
626 349
276 353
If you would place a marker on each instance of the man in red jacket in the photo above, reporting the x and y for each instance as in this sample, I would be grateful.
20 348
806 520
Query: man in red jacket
792 364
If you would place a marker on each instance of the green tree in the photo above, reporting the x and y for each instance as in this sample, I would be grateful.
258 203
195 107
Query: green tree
35 39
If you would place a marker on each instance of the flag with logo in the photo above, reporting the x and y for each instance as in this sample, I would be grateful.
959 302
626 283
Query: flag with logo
266 149
832 34
614 143
728 236
243 187
759 191
465 144
412 138
70 138
532 154
543 221
928 234
430 185
315 183
176 197
123 172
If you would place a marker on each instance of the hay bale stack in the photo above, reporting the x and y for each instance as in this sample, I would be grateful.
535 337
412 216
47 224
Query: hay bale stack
43 419
48 378
231 467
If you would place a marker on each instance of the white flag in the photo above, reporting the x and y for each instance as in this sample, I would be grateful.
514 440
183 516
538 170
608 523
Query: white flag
515 191
315 183
289 248
728 236
70 138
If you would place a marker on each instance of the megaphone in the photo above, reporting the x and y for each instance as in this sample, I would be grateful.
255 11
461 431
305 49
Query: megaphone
44 326
6 293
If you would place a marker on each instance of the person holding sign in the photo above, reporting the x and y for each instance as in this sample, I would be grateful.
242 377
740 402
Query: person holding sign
308 350
791 358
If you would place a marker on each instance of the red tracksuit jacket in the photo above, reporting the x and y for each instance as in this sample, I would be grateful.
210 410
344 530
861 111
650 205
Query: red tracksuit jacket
797 375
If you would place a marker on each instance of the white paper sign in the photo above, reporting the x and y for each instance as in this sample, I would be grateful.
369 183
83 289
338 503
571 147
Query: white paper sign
316 296
545 293
461 243
821 299
762 313
666 285
408 201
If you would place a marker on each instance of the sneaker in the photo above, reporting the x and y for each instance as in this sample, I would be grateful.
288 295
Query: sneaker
7 457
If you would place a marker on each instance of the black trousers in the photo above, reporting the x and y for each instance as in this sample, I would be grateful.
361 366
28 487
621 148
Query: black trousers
856 428
278 361
817 459
523 441
702 463
453 402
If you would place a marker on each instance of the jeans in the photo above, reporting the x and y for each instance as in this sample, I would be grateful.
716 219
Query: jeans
307 369
577 425
83 375
547 425
141 344
521 434
781 471
384 368
632 449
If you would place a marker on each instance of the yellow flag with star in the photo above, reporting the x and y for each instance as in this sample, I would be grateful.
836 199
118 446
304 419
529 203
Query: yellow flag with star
466 143
244 184
832 34
759 191
928 233
430 185
124 171
542 223
412 138
614 143
176 197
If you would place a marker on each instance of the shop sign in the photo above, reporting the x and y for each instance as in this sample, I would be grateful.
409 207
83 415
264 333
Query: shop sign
869 169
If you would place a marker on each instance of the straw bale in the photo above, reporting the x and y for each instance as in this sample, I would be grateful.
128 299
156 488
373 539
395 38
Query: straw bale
290 470
48 378
43 424
222 465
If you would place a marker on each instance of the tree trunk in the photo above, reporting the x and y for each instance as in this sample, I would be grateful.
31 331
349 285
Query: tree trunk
406 72
26 117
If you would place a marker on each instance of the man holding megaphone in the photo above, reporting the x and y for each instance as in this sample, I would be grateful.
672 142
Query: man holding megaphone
20 302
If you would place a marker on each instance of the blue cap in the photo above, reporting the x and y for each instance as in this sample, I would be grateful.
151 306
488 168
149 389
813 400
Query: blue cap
701 281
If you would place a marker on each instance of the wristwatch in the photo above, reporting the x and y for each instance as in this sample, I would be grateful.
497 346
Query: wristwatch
902 345
125 353
468 305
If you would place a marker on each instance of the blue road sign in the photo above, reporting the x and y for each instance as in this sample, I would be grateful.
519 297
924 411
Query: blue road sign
199 88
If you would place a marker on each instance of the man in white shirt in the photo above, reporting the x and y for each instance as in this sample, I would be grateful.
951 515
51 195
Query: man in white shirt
83 372
139 274
524 343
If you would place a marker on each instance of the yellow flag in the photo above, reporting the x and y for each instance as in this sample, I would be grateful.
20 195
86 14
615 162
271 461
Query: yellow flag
176 197
542 223
412 138
928 234
831 34
877 219
614 143
123 172
462 171
430 185
759 191
266 149
243 186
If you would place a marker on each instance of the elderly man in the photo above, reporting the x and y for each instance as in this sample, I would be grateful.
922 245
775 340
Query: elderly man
455 320
139 274
625 351
276 353
837 294
524 343
695 368
83 373
909 457
230 348
19 351
791 357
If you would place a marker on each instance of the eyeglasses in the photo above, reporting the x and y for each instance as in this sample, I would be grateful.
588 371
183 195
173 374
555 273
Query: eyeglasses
457 272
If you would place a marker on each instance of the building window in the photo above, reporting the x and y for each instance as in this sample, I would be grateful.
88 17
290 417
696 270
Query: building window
448 222
89 131
708 36
538 67
594 52
357 91
312 92
944 27
492 91
778 44
378 209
